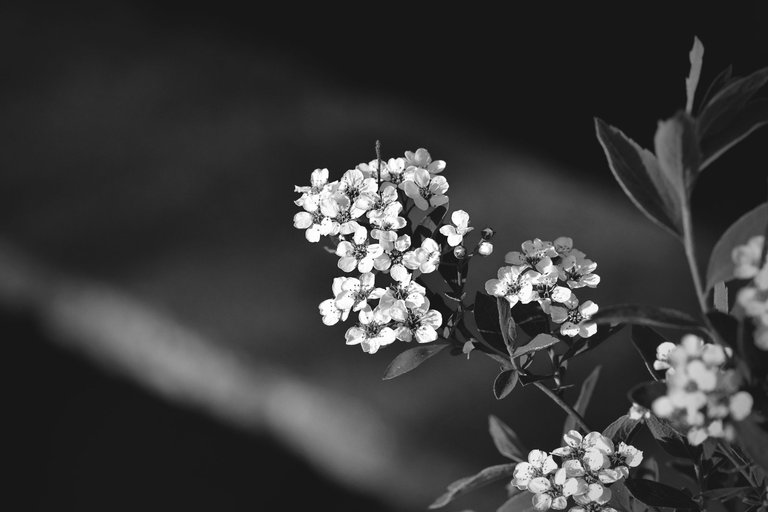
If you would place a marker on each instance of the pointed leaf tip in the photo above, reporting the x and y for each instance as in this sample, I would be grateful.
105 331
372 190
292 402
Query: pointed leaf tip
691 82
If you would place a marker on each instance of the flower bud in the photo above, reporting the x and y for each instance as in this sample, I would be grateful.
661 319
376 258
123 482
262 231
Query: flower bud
487 233
485 248
460 252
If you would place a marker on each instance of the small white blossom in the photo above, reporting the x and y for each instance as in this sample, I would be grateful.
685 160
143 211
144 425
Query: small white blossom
391 260
546 290
455 234
419 323
421 159
355 292
536 254
358 253
372 331
747 258
485 248
577 271
329 310
426 190
575 318
513 284
426 258
662 355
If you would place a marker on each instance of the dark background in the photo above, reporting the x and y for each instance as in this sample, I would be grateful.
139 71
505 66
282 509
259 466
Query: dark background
528 80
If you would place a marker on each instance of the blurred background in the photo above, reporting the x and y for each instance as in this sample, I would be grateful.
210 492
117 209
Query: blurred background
162 347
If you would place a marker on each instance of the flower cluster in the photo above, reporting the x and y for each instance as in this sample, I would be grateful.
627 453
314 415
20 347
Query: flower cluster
703 397
753 297
363 213
548 272
588 466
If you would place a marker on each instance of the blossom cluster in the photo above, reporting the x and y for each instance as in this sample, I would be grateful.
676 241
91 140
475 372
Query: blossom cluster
703 397
588 466
549 272
754 296
363 213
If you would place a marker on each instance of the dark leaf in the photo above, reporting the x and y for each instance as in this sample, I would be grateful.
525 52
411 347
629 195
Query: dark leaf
540 342
506 440
504 384
725 493
754 440
646 340
695 56
621 499
470 483
670 439
519 502
411 358
585 395
586 344
530 318
529 378
720 81
727 103
684 468
487 320
646 392
648 470
435 217
656 494
748 120
726 326
453 271
677 151
721 265
637 171
622 429
636 314
507 324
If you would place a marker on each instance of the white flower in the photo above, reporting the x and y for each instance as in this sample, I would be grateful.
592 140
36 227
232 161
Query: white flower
329 310
632 456
420 323
662 355
412 294
426 190
423 160
360 190
485 248
387 220
355 292
546 290
536 254
747 258
455 234
638 413
391 259
310 196
577 272
512 284
372 331
563 246
426 258
740 405
358 253
575 318
315 223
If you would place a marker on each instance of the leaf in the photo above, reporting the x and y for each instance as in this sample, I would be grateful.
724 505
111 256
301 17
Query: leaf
720 267
622 429
725 493
637 171
717 84
646 341
506 440
695 56
507 324
470 483
453 271
754 439
436 217
652 316
656 494
411 358
747 121
685 468
721 297
529 378
727 103
585 395
504 384
726 326
624 500
519 502
540 342
646 392
677 151
670 440
530 318
582 345
487 320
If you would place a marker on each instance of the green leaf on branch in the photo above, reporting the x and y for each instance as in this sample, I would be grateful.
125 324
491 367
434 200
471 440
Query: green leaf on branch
585 395
504 384
646 392
646 340
506 440
582 345
695 56
677 151
519 502
721 80
640 176
670 440
540 342
636 314
530 318
487 320
726 119
470 483
656 494
725 493
721 265
507 324
411 358
754 439
622 429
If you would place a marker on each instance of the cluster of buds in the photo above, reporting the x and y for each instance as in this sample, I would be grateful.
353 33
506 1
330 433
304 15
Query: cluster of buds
588 466
363 213
751 263
703 396
549 272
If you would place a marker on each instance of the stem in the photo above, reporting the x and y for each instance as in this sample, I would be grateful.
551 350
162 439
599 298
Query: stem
690 253
740 465
564 406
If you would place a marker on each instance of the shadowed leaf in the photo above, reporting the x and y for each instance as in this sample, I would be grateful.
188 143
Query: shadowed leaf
637 314
506 440
540 342
646 392
670 439
411 358
507 324
470 483
487 320
656 494
743 124
754 439
695 56
519 502
504 384
622 429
